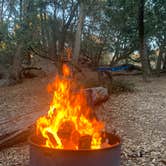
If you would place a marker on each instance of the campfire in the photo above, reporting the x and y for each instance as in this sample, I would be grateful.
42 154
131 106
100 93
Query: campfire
69 126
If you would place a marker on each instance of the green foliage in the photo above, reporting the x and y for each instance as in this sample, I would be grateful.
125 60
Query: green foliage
109 25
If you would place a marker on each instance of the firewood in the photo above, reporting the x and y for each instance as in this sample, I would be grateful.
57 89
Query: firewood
40 140
65 130
52 139
75 136
85 142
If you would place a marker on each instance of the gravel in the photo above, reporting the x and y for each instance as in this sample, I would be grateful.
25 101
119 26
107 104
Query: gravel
139 118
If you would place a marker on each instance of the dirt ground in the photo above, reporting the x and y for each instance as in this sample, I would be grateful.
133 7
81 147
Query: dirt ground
138 117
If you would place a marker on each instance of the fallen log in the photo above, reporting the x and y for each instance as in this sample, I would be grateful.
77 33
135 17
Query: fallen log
18 129
31 72
16 137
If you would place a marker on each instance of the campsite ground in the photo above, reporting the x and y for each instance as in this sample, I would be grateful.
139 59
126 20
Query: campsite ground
139 117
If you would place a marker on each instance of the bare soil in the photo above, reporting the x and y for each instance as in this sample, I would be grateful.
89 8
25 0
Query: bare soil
138 117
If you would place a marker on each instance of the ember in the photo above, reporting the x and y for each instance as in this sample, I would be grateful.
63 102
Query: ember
68 124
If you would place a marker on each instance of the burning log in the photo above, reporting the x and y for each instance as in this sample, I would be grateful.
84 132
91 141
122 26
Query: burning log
65 130
85 142
41 140
52 139
75 137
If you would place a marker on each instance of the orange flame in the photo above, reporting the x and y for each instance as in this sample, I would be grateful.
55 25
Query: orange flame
66 70
68 124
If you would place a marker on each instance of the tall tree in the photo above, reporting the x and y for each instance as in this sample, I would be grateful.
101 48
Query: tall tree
78 33
144 57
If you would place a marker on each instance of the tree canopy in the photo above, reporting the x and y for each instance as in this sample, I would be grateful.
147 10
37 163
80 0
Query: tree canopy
45 28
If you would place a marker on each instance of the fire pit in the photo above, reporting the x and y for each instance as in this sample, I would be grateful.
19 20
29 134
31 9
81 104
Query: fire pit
43 156
69 134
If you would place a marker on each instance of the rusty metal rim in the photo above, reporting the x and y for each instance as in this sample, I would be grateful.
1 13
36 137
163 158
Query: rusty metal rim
71 150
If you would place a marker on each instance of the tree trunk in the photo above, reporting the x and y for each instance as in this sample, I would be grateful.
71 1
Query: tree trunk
144 58
158 66
42 29
164 61
1 12
21 10
16 67
78 34
63 36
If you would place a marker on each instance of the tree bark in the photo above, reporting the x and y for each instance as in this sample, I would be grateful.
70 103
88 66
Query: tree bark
78 34
21 10
144 58
16 67
63 37
1 12
158 66
164 62
42 28
17 129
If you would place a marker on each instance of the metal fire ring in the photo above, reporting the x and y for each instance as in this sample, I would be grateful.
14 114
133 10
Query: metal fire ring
43 156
